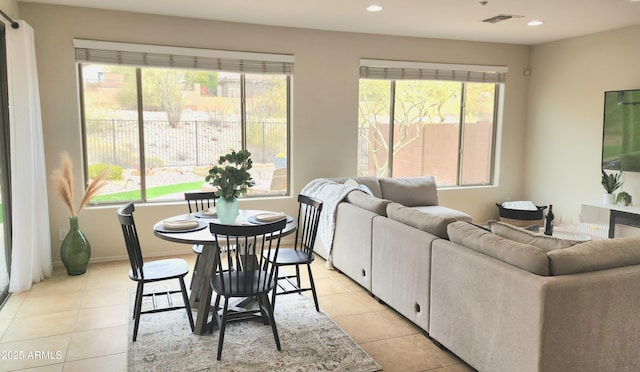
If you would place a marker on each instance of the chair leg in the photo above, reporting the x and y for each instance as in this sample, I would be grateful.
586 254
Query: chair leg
261 306
137 308
272 321
298 276
275 288
185 298
215 317
223 325
137 299
313 287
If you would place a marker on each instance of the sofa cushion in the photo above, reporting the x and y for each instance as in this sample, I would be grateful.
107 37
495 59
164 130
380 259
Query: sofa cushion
410 191
523 256
431 223
368 202
508 231
441 211
595 255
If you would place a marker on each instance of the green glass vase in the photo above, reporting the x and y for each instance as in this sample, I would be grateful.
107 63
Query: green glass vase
227 210
75 250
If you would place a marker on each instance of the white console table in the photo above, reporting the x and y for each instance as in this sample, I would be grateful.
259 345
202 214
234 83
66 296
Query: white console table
610 220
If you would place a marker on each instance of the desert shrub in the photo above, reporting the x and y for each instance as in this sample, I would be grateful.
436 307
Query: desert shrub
115 171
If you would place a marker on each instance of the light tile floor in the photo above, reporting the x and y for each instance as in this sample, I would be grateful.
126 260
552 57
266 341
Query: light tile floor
79 323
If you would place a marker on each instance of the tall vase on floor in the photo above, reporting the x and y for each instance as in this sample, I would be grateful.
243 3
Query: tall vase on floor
227 210
75 250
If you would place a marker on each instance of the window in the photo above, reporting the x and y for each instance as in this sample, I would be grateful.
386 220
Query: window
417 119
159 119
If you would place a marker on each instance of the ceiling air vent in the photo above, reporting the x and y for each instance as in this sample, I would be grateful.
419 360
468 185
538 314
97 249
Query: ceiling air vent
500 18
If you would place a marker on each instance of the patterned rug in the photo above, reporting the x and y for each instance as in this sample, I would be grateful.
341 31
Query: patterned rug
310 341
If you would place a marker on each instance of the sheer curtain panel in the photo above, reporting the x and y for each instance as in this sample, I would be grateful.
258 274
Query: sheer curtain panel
31 246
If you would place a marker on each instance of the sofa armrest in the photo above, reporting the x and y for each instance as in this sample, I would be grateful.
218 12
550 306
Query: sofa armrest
431 223
368 202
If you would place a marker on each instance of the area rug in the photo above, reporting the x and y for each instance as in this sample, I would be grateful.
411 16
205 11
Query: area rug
310 341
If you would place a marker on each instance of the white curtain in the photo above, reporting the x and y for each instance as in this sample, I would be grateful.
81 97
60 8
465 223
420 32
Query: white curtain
31 242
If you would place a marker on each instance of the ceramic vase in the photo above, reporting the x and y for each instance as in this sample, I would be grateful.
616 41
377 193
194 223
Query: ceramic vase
75 250
227 209
608 198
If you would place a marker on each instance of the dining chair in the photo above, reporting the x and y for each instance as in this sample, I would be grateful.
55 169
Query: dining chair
152 271
253 277
197 202
200 200
309 210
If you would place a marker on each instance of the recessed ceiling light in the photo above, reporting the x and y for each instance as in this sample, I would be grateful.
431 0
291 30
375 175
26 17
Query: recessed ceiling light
535 23
374 8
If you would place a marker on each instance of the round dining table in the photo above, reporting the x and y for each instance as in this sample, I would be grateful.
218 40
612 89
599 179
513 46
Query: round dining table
201 291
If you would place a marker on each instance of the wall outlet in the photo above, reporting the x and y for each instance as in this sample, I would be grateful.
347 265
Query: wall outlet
62 233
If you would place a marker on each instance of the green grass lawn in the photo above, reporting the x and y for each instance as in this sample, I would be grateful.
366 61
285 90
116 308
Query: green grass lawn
152 193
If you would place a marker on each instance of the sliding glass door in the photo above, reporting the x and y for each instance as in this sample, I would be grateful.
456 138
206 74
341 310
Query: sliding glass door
5 190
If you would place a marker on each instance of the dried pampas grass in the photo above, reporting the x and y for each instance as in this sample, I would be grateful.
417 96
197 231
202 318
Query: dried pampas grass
63 178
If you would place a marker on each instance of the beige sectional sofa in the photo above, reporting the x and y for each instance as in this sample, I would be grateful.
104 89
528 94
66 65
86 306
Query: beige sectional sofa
383 240
506 300
504 305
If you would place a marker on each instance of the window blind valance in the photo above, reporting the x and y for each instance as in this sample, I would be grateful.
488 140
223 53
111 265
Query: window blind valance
180 57
397 70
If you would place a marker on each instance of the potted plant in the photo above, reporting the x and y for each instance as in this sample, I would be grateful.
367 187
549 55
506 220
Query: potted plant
623 198
610 182
231 179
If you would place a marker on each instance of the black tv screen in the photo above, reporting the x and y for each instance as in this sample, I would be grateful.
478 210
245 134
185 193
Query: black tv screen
621 130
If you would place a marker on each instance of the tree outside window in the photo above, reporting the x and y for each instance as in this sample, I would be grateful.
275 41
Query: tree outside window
160 130
427 127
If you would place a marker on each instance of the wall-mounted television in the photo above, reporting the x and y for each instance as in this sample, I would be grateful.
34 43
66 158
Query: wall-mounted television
621 130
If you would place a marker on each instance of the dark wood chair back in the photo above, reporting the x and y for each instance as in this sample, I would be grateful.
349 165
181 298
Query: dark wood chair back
253 273
125 216
308 221
200 201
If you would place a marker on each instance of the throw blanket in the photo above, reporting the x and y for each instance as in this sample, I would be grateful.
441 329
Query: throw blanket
331 193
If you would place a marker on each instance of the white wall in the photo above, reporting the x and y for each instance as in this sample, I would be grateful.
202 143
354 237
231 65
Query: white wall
325 103
10 8
565 113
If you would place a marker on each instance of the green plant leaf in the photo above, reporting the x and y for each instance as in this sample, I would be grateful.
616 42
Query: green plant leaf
611 182
231 176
